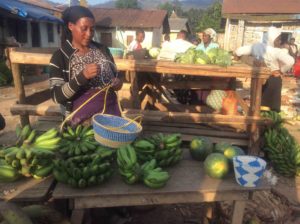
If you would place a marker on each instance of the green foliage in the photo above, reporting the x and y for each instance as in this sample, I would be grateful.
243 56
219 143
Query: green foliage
211 18
170 6
126 4
194 16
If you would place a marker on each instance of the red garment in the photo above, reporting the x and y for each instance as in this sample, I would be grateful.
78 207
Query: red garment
138 46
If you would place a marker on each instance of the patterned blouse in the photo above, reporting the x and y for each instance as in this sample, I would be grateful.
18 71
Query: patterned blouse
107 68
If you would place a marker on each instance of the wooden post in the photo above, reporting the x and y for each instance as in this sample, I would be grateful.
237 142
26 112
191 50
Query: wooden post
136 103
238 212
20 91
255 102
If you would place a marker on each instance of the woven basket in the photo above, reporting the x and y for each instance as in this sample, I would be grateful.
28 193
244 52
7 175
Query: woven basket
113 131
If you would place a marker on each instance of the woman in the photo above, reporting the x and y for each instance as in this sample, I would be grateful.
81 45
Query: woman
81 68
277 60
208 38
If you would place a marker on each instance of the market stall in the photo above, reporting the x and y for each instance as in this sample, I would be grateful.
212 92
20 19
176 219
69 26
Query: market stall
257 76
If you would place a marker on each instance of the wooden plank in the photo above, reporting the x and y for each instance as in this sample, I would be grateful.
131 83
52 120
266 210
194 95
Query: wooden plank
155 199
238 212
192 84
192 178
238 70
193 131
183 108
190 137
26 189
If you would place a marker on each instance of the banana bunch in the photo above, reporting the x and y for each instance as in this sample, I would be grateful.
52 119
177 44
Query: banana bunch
84 170
156 178
128 165
78 141
283 151
32 155
153 176
25 135
7 172
164 148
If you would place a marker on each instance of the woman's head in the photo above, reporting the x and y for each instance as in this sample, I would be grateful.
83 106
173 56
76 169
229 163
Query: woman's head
209 35
78 25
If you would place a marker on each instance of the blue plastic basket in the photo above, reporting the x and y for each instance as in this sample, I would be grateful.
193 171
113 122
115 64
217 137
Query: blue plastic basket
113 131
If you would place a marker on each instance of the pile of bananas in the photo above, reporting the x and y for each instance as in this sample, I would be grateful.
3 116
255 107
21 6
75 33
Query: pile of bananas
84 170
164 148
153 176
128 165
283 151
78 141
274 116
32 156
131 171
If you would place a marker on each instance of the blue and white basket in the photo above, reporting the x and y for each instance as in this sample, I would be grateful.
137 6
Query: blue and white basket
248 170
113 131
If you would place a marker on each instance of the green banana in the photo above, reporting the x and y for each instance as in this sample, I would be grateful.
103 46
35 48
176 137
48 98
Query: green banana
171 138
44 171
51 133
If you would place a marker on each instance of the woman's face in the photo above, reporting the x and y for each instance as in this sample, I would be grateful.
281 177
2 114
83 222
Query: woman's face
82 31
277 42
206 38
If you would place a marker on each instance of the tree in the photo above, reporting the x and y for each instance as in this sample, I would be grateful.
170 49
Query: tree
172 6
211 18
194 16
126 4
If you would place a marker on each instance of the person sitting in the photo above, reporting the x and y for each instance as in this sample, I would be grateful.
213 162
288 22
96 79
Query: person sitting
137 43
276 59
208 38
81 68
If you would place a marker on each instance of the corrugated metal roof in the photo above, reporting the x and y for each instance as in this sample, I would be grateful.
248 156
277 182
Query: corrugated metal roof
42 4
261 6
134 18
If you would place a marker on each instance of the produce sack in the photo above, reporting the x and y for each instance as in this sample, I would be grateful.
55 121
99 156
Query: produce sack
230 102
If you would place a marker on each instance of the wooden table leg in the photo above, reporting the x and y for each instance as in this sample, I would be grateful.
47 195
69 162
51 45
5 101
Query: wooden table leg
255 102
134 89
238 212
20 91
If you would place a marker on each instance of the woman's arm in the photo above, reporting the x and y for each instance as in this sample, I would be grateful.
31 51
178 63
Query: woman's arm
286 59
61 88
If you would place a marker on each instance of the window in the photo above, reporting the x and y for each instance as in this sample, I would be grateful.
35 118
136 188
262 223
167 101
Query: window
50 32
17 29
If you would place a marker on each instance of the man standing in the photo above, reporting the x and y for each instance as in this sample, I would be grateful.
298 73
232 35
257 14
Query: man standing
137 43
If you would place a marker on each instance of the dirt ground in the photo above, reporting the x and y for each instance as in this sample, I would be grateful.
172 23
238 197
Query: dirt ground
167 214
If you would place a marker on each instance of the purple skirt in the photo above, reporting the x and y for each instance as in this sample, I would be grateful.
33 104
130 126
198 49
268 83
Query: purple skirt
95 105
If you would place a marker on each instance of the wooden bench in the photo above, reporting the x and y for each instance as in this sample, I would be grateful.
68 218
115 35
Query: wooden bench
188 184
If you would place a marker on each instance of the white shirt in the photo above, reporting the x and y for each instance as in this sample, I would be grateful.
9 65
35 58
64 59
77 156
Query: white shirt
274 58
170 49
133 46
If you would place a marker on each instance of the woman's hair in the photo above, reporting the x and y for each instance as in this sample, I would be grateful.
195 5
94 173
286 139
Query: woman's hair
72 15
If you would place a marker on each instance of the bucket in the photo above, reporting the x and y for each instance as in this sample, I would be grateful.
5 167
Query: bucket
248 170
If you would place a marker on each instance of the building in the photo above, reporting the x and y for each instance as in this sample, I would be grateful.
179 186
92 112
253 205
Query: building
177 24
29 23
117 27
248 20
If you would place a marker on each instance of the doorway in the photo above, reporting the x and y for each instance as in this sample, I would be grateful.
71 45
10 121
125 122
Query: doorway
35 35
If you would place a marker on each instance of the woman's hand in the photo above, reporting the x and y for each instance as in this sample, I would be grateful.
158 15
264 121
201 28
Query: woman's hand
91 70
116 84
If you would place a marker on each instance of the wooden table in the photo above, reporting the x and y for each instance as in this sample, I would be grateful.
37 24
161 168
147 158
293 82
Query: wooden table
40 56
26 189
188 184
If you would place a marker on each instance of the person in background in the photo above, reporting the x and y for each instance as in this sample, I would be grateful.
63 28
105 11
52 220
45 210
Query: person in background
137 43
293 48
166 40
208 38
81 68
277 60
